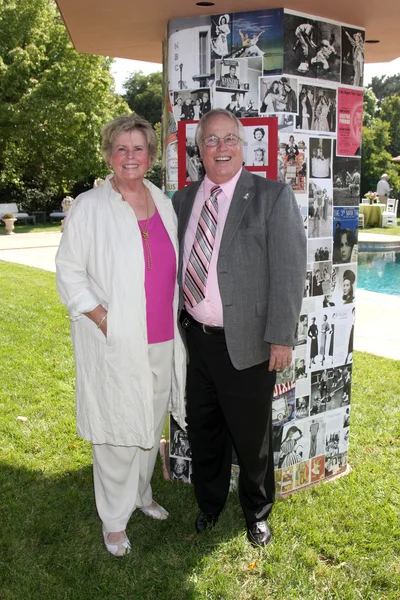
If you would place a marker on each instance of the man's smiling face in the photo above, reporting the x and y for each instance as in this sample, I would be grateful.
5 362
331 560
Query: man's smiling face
221 162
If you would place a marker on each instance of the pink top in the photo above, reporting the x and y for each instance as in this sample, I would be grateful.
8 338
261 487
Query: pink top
159 282
209 310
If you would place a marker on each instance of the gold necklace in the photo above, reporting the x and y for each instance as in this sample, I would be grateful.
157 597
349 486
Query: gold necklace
144 231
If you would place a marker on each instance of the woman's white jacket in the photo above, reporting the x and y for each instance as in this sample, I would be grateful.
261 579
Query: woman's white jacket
100 261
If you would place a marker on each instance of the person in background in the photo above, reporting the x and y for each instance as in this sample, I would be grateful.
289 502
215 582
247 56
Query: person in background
116 274
383 188
241 270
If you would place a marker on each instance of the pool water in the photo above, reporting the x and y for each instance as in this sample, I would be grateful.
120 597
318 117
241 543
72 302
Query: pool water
379 272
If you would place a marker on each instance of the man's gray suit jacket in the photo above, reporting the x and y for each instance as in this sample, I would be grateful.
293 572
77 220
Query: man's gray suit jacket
261 265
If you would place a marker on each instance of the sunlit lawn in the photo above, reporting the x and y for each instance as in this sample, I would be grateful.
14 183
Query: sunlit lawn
340 540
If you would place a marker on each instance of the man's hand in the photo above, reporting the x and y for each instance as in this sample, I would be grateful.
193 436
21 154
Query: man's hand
280 357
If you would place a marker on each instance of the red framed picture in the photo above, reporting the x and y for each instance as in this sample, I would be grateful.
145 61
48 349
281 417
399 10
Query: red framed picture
260 149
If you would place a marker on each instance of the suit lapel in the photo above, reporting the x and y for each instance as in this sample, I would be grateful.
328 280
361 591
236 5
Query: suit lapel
242 196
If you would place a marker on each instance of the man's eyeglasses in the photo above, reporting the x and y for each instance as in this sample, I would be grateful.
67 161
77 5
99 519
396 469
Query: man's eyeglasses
229 140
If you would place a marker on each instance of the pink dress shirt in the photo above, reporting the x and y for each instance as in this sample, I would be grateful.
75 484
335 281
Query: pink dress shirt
209 310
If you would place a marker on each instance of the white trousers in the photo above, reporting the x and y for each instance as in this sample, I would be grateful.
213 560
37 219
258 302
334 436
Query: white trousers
122 474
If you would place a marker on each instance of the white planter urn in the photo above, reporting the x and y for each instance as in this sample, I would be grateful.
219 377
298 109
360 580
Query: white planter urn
9 223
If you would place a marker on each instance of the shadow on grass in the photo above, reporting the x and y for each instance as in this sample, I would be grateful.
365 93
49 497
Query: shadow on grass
52 547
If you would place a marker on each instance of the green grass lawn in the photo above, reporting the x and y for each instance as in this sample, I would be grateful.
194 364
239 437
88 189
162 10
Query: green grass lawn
384 231
38 228
340 540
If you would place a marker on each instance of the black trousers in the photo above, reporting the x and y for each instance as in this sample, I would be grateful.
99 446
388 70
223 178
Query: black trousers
224 407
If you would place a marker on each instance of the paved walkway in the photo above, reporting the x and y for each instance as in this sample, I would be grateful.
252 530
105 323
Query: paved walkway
377 328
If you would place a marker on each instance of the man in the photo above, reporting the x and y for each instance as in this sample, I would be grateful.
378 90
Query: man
242 277
383 188
205 106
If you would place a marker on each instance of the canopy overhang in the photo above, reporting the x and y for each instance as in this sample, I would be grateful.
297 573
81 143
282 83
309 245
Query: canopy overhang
135 30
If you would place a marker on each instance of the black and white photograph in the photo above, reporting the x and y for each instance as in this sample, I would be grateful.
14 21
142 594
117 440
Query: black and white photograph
189 53
232 75
316 428
320 340
278 95
335 464
312 47
194 165
345 234
320 105
346 180
344 283
221 35
321 280
320 208
330 389
302 329
353 41
255 148
190 105
179 443
302 407
180 469
302 203
320 158
283 408
295 444
292 161
319 249
300 369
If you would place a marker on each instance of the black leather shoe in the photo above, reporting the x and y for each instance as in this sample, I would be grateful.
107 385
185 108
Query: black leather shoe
259 534
205 521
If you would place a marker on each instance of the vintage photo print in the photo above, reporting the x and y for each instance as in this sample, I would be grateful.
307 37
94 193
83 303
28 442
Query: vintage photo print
321 337
302 474
353 41
312 47
321 285
237 85
320 157
221 39
292 161
190 105
259 34
346 180
335 464
302 203
350 119
180 469
343 284
320 205
255 148
189 53
317 108
317 468
278 95
189 156
179 442
295 444
345 234
319 249
302 407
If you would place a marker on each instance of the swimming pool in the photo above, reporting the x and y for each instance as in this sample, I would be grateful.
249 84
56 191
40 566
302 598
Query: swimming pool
379 272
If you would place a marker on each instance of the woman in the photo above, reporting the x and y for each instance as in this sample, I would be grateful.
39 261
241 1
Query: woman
324 331
305 111
116 273
344 249
233 105
270 99
313 335
220 43
348 287
322 109
288 455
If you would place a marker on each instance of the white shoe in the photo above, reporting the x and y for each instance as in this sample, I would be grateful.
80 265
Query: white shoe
117 548
158 512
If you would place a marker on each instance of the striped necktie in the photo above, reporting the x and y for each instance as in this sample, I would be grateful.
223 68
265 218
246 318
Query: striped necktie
194 289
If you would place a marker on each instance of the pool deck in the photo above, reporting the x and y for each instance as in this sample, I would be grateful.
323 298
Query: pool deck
377 327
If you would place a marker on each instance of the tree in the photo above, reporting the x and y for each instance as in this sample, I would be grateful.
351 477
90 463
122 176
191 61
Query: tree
390 112
375 158
144 95
385 86
53 103
369 107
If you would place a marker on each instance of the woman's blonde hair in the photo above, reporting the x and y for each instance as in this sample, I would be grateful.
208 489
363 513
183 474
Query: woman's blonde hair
125 123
